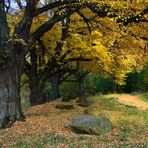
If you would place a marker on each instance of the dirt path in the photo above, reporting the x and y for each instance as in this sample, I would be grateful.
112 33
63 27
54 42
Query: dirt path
131 100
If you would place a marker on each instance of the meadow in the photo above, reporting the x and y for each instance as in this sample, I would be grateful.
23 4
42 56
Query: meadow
47 126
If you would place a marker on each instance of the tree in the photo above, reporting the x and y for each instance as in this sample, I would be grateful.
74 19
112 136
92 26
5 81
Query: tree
13 52
13 49
54 54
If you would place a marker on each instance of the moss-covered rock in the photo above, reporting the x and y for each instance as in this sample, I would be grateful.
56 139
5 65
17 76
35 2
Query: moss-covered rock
89 124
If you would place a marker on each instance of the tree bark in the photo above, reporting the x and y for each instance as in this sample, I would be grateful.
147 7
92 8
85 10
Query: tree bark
37 95
82 97
55 83
116 88
81 93
10 72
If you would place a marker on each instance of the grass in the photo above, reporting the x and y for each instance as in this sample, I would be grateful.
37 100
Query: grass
52 140
47 126
144 97
45 139
119 114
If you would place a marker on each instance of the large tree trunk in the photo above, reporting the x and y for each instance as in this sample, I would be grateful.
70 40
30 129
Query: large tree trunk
10 71
116 88
82 97
37 94
10 109
8 97
55 84
81 94
36 85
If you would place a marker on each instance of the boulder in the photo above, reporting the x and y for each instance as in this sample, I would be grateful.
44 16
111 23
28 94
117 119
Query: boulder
88 124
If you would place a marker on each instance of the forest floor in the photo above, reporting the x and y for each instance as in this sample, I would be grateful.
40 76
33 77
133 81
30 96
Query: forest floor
47 126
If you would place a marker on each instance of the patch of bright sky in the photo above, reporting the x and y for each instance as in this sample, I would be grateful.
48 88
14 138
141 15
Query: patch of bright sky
13 5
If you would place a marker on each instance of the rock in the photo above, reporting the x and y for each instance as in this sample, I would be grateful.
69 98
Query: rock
85 103
98 125
65 106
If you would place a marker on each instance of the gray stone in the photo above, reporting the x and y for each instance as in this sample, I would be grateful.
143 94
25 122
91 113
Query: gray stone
97 125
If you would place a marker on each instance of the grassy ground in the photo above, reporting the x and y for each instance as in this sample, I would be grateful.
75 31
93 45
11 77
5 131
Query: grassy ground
144 97
46 126
132 100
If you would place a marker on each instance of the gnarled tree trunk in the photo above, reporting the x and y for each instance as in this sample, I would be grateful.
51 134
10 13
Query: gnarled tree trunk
10 71
9 89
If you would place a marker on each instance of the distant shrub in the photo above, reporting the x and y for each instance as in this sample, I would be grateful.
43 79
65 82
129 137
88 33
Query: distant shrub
69 89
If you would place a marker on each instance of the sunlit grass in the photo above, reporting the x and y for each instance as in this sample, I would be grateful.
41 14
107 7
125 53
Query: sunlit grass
118 113
144 97
131 100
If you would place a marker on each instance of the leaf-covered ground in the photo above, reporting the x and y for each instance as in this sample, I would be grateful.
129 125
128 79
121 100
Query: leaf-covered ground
47 126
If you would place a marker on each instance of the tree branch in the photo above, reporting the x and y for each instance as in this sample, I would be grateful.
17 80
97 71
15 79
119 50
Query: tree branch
86 20
52 5
48 25
131 19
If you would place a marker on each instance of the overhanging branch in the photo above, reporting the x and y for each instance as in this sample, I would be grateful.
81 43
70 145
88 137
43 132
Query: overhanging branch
48 25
